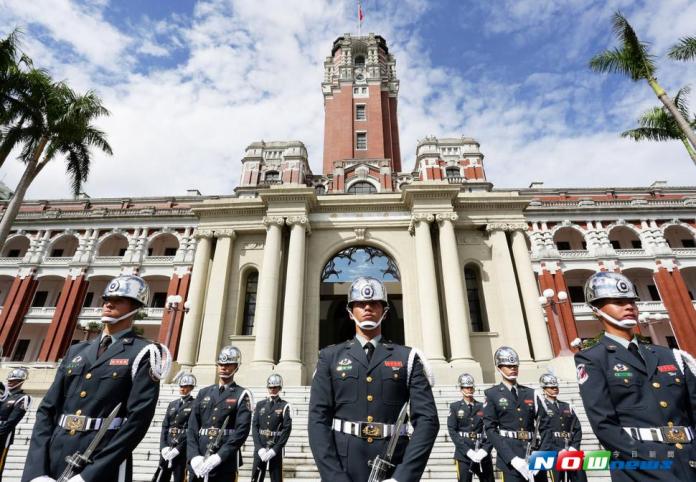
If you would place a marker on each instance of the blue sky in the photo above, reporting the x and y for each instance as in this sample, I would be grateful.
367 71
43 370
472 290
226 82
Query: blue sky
191 84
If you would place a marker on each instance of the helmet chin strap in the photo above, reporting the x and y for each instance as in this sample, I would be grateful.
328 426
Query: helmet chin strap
367 325
630 323
110 320
510 378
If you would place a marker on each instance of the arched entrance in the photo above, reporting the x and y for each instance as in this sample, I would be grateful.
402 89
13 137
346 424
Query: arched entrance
334 324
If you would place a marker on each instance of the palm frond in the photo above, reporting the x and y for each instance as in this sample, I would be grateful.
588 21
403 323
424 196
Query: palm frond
650 134
685 49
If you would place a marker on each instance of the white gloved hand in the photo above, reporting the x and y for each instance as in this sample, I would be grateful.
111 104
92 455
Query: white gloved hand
270 454
76 478
481 454
210 463
391 480
196 464
572 449
262 453
471 454
521 466
43 478
171 454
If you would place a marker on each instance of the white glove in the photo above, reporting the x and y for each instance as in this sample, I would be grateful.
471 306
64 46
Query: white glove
262 453
171 454
521 466
196 464
471 454
481 454
572 449
164 453
269 455
210 463
76 478
43 478
391 480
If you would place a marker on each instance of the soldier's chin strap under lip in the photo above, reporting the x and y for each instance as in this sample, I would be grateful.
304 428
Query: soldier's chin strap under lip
630 323
110 320
510 378
367 325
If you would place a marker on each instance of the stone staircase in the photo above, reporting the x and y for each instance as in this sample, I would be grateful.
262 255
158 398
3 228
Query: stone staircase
298 463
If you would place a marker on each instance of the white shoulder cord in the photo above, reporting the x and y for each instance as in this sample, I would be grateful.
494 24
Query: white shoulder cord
426 367
160 361
684 357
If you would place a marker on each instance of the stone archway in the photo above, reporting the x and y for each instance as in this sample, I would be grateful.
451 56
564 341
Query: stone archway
342 268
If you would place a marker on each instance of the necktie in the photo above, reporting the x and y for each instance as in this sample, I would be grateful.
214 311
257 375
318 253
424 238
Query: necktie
222 388
369 350
103 345
514 393
633 348
471 408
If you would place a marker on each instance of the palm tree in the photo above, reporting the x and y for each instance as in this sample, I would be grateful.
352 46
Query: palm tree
657 124
633 59
56 121
685 49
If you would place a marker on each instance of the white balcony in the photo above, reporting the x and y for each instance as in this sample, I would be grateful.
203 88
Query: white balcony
158 260
4 261
631 253
574 254
153 316
583 312
40 314
107 260
55 260
685 252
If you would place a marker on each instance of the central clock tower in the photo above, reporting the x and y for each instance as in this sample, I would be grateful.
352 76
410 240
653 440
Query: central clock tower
360 97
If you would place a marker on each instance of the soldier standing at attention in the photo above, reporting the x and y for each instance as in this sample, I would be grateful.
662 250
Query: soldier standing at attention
640 398
358 390
13 405
270 428
559 427
465 426
223 404
173 436
93 378
510 419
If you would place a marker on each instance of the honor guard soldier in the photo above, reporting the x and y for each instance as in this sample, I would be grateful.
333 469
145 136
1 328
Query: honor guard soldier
13 405
559 427
117 369
640 398
510 419
270 428
465 427
358 391
219 423
173 436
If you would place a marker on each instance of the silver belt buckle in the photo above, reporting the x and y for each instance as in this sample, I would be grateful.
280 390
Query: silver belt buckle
213 432
675 434
371 430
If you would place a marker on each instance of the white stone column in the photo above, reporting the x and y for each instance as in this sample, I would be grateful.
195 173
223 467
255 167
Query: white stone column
290 364
267 299
538 333
216 299
431 323
190 331
510 306
457 306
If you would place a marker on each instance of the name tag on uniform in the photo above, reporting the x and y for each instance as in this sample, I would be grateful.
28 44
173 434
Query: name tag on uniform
118 361
231 400
667 368
393 363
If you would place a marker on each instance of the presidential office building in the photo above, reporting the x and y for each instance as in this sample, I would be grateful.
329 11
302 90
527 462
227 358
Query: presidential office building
468 267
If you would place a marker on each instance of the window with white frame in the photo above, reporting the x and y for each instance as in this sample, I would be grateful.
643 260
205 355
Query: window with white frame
360 112
361 140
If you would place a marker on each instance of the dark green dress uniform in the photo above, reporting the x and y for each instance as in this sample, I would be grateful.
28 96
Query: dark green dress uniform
465 427
174 435
270 428
86 389
509 424
560 428
625 397
12 409
354 404
212 406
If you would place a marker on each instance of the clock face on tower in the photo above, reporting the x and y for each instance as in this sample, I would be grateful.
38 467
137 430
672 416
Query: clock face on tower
359 75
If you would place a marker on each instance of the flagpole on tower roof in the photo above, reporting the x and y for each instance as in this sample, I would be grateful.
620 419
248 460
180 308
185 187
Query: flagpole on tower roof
360 17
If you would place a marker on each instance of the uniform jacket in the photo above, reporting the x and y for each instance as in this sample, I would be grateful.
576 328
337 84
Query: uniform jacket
348 387
619 391
501 412
12 409
210 409
91 386
274 416
461 419
558 419
177 417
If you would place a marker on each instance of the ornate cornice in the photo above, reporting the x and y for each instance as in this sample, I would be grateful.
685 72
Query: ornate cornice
490 227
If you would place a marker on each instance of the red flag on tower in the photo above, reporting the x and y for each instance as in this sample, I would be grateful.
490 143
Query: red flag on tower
360 12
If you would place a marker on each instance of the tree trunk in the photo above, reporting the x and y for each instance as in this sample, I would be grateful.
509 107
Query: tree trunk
32 169
690 150
672 108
